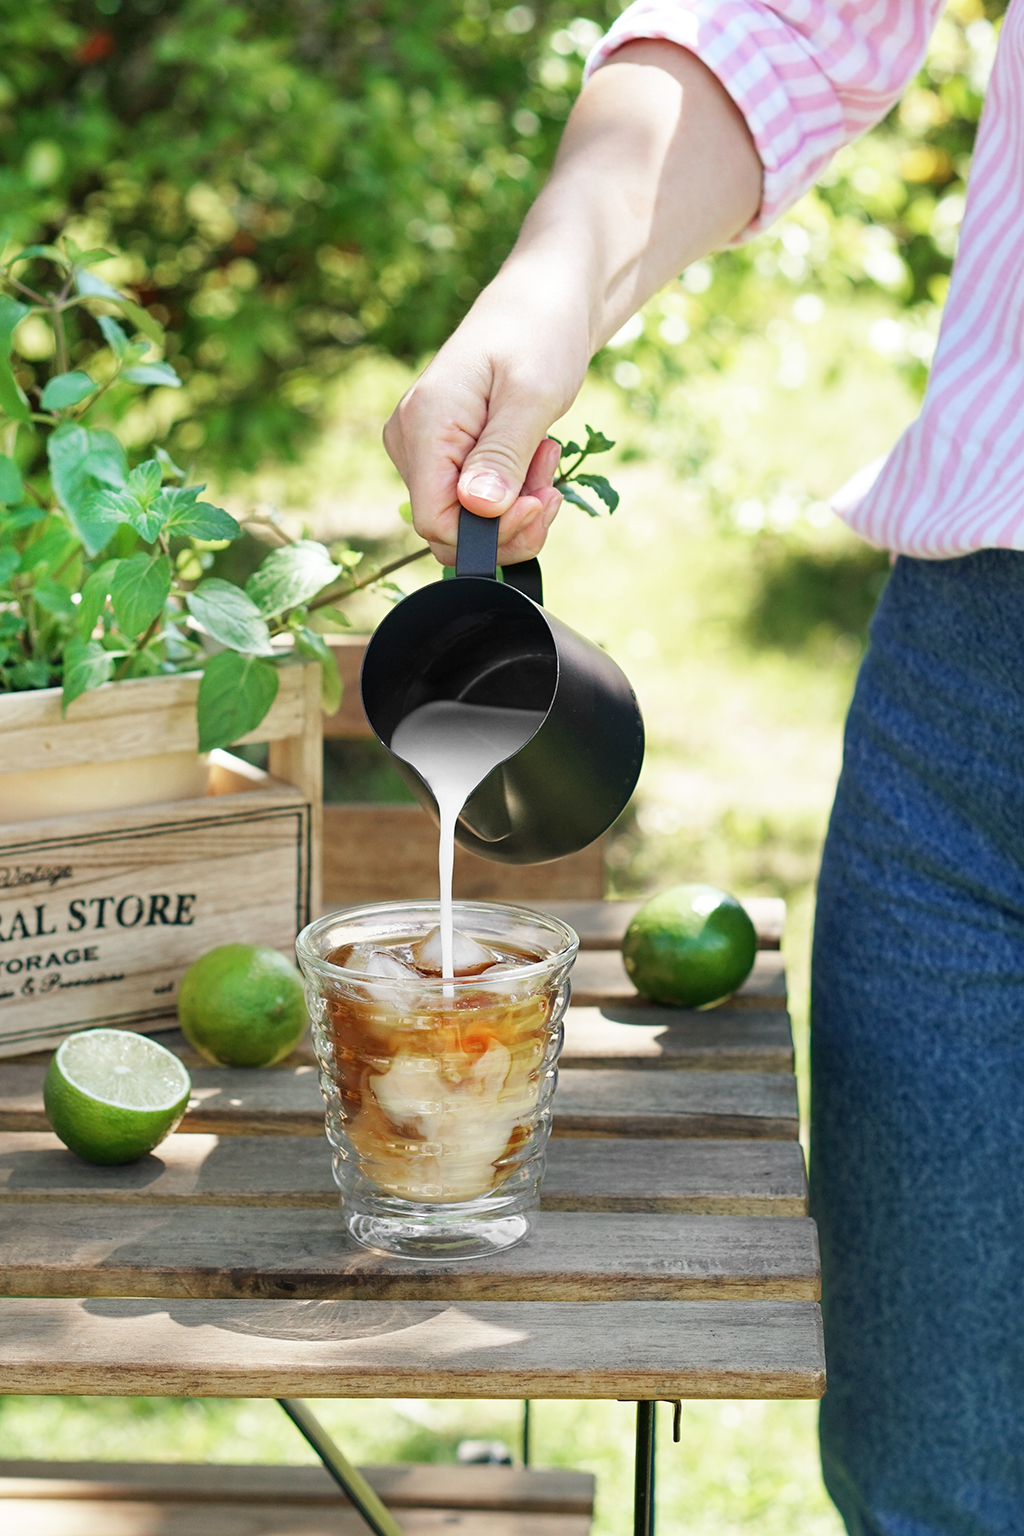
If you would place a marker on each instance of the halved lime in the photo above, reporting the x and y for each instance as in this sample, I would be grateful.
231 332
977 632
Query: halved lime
112 1096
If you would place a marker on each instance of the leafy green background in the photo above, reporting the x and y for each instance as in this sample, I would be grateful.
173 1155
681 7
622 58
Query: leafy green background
290 184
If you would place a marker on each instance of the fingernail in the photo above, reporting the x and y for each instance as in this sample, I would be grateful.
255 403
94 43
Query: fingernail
486 486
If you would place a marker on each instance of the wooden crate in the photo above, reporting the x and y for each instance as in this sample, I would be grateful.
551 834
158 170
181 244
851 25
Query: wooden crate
389 852
100 912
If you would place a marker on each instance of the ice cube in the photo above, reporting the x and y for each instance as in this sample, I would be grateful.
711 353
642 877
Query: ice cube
470 957
381 963
371 961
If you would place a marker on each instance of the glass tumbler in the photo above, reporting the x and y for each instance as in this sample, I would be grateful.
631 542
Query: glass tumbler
438 1093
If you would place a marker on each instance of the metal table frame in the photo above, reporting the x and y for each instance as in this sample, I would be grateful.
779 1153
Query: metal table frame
380 1519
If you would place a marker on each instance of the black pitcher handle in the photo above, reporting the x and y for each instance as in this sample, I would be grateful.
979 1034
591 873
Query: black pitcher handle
476 554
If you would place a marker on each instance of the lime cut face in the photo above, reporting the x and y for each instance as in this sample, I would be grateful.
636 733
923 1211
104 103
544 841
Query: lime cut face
115 1067
112 1096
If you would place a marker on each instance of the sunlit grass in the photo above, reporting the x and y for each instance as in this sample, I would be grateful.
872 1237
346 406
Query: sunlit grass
739 1465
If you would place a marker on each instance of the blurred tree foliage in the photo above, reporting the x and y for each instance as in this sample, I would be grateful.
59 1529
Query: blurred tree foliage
287 183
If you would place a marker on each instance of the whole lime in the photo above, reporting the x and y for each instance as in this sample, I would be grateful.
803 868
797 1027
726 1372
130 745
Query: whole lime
691 946
112 1096
242 1005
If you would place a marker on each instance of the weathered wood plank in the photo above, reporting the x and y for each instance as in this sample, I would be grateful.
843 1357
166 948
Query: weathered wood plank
599 980
286 1102
409 1485
719 1105
714 1178
645 1036
737 1178
130 719
633 1035
144 1517
389 853
602 924
241 1348
111 1250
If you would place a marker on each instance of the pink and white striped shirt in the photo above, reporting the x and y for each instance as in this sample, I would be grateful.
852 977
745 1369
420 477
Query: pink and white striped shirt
809 76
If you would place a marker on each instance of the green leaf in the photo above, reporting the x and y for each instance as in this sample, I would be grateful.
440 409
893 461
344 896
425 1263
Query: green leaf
569 449
115 338
405 511
291 576
21 517
332 619
126 508
145 481
66 389
31 674
234 695
597 442
51 549
577 500
11 485
90 258
49 251
94 596
307 643
53 598
86 665
598 483
232 618
82 462
139 590
12 397
92 287
169 466
10 559
185 517
152 373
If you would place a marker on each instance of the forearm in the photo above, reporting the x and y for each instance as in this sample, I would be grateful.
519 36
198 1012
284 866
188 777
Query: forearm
656 168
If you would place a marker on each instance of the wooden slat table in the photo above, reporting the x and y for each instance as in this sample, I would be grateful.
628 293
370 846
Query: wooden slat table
673 1220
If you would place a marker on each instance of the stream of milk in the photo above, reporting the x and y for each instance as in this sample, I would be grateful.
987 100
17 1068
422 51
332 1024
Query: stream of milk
453 747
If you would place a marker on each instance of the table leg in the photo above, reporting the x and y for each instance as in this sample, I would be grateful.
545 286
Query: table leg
526 1433
643 1485
348 1478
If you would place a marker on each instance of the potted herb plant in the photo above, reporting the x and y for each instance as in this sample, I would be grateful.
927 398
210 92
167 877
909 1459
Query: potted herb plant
104 566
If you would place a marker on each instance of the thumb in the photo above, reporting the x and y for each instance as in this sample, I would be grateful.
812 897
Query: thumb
494 472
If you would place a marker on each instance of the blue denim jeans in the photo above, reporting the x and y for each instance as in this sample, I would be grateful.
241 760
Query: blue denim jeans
917 1136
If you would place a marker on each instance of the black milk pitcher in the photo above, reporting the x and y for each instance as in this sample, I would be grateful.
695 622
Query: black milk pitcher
478 640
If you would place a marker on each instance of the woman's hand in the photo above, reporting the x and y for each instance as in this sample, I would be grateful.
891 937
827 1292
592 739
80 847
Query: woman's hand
656 167
472 431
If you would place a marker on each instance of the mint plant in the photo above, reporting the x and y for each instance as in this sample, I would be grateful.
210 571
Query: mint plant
568 478
103 566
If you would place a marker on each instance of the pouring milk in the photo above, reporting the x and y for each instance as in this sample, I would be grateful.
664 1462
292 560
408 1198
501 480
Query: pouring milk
453 747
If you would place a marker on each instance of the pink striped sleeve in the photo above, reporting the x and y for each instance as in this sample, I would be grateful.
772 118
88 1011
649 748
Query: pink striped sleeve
808 75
